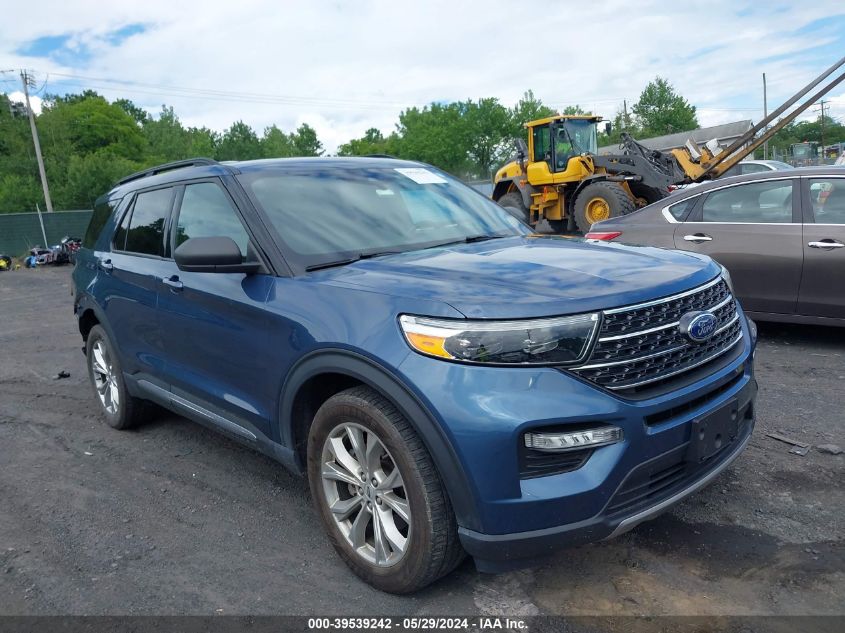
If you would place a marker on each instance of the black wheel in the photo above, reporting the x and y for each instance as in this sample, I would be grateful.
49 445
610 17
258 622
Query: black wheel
512 203
121 410
601 201
379 494
646 195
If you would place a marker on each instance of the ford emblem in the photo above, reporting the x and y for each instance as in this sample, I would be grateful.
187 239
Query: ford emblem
698 326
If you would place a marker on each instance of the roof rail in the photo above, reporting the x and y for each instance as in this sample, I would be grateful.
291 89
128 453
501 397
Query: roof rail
378 156
159 169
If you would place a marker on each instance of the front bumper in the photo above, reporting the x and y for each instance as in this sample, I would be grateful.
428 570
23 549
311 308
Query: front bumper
485 411
500 552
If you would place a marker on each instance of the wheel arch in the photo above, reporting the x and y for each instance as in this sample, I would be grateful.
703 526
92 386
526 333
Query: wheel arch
507 185
343 368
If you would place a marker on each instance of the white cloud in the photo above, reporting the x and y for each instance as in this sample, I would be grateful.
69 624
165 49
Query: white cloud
344 67
34 100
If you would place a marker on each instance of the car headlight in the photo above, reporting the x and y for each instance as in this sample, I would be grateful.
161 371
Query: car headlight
555 341
727 277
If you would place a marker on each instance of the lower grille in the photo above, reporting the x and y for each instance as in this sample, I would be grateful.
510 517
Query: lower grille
656 481
643 344
534 463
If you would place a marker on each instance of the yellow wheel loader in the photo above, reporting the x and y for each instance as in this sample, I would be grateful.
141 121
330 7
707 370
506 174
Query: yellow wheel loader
558 176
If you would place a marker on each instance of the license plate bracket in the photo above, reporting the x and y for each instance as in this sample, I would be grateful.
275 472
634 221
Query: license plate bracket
713 431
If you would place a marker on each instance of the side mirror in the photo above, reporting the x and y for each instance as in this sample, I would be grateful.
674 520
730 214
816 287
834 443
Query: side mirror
608 128
212 255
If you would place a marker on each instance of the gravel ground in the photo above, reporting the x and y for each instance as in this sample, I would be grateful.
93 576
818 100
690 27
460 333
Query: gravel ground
173 519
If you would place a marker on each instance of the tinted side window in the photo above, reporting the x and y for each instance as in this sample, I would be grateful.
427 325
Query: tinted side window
827 196
146 227
680 209
759 202
206 211
102 210
119 241
541 142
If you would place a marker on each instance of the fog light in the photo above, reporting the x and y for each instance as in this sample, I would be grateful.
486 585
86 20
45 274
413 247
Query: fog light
586 438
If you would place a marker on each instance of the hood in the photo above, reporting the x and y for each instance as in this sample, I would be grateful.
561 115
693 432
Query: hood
532 276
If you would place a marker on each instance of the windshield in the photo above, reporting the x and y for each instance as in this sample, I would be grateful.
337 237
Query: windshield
583 135
327 213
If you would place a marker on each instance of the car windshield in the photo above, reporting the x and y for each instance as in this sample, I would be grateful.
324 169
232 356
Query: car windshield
328 213
776 164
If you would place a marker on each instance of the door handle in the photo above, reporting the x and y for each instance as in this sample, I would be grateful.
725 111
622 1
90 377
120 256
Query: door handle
698 237
106 265
173 282
826 244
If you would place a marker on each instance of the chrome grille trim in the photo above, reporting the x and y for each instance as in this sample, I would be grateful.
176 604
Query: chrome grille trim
628 360
681 295
685 369
619 337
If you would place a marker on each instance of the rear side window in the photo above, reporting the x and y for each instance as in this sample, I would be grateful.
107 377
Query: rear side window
206 211
145 234
758 202
680 209
102 210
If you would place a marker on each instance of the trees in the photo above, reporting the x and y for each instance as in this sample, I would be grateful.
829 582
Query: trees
239 142
660 110
488 123
89 143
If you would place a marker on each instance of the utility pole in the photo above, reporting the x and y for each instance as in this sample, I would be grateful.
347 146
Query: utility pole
765 116
821 128
27 81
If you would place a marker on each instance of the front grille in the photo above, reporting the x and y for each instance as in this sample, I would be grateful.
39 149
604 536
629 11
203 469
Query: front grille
642 344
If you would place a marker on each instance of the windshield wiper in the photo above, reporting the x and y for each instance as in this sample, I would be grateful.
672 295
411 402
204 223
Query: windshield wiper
349 260
470 239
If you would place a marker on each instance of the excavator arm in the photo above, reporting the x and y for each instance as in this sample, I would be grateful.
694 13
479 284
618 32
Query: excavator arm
699 163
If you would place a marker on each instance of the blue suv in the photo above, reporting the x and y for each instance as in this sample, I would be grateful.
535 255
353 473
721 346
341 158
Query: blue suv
451 382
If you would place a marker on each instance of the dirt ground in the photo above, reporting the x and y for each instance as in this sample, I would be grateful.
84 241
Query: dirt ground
173 519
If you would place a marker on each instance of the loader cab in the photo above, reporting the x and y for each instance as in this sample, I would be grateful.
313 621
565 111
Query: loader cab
555 140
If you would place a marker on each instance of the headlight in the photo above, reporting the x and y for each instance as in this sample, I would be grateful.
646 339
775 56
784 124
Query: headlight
727 277
557 341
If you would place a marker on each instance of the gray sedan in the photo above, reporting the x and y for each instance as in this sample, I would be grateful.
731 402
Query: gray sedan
780 234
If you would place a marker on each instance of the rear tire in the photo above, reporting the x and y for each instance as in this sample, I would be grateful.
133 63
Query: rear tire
369 471
601 201
120 410
512 203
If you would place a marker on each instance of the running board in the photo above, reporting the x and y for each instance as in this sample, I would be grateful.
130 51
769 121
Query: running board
193 410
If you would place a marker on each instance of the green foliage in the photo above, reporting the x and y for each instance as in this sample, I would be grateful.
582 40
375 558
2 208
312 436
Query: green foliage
305 141
89 176
373 142
239 142
834 132
89 143
660 110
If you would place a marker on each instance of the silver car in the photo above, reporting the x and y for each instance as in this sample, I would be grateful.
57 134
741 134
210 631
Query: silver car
780 234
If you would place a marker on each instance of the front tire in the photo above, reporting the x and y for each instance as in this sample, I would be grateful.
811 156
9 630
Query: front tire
121 410
601 201
512 203
379 494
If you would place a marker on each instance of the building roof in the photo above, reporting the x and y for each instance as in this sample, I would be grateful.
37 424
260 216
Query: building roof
723 133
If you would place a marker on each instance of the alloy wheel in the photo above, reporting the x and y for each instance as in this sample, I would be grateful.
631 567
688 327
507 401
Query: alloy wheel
105 379
366 494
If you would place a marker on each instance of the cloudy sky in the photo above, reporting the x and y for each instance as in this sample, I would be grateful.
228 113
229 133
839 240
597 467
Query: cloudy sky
346 66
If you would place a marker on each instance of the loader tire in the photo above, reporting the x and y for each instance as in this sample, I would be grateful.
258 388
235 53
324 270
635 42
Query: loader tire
601 201
647 195
512 203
